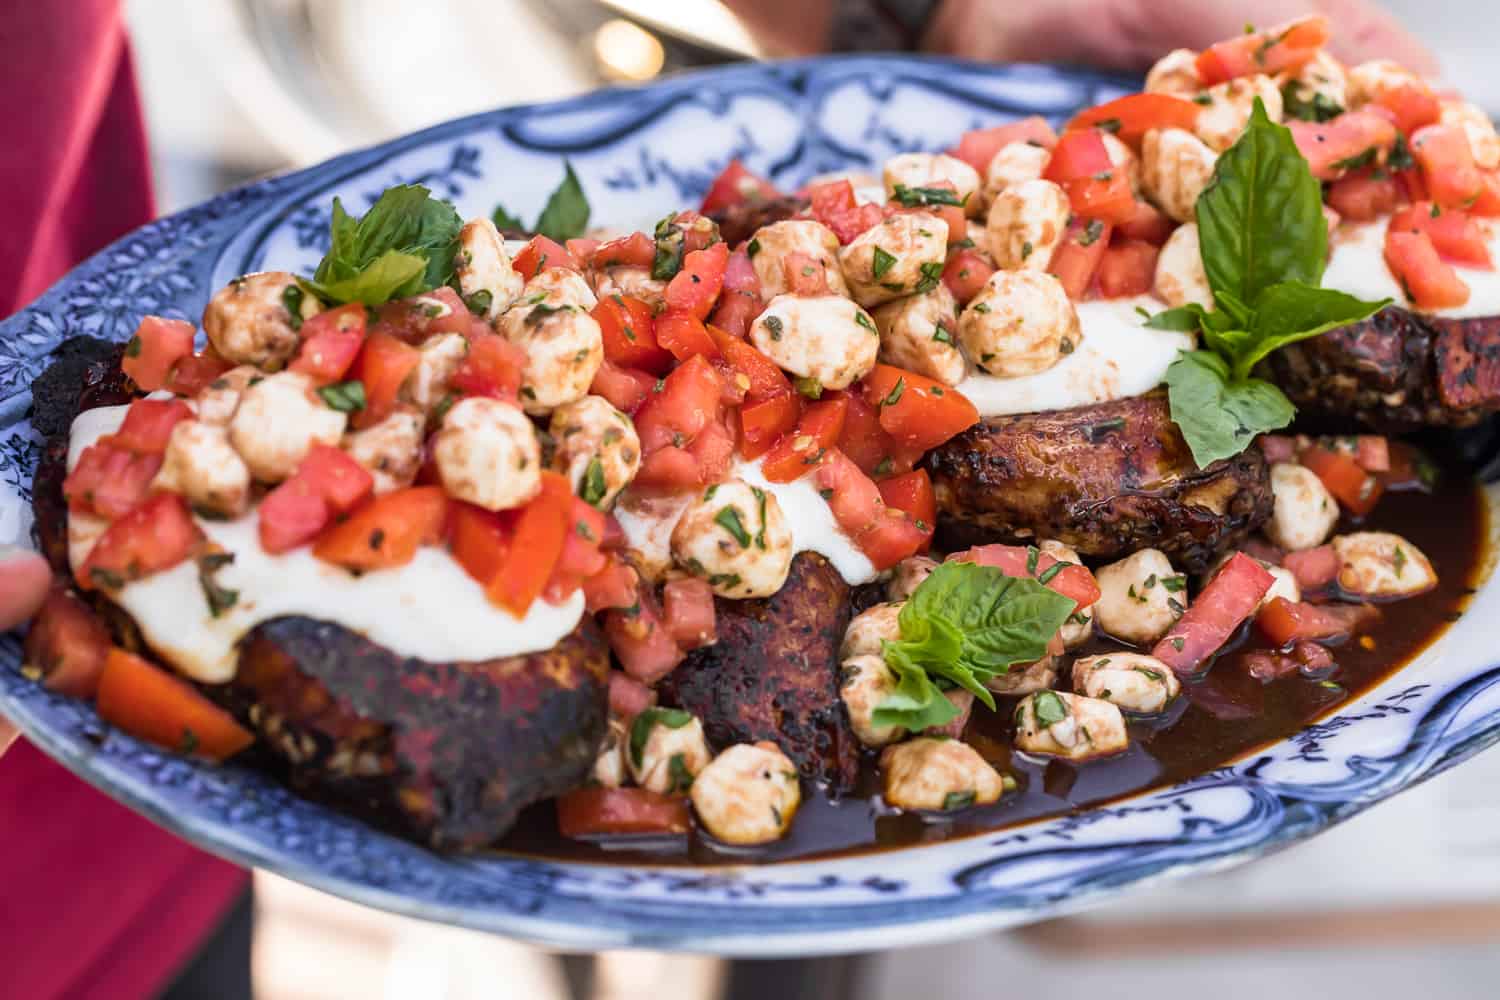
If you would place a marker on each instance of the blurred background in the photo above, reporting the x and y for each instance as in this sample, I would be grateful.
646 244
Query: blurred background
1401 902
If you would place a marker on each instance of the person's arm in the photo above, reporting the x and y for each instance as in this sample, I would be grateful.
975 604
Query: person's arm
24 578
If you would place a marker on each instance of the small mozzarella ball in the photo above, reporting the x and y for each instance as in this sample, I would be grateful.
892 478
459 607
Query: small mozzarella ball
1067 725
216 403
748 794
1382 565
1304 513
441 356
487 454
1079 627
203 466
278 420
865 681
1229 105
552 286
918 333
1175 168
596 448
564 350
938 775
825 337
1483 142
610 769
771 245
483 268
1141 597
1322 81
1175 73
627 279
1123 159
1020 323
907 576
916 170
869 629
1368 80
1133 681
1180 277
1026 225
653 767
1016 163
979 236
1024 678
248 322
391 450
735 536
903 255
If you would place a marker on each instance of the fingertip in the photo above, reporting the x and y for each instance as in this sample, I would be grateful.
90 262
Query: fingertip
24 579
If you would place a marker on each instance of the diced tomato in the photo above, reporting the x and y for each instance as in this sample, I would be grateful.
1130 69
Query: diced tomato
805 275
640 639
1413 104
109 480
1429 282
884 535
688 609
1132 116
1314 568
635 250
1078 258
382 366
953 216
695 288
1028 561
912 492
158 344
688 400
800 450
684 335
893 537
68 643
739 302
156 535
1230 597
713 452
625 388
582 248
628 697
597 811
148 425
341 481
1372 452
195 372
1278 447
762 377
1365 195
1454 233
417 317
1148 224
1339 145
1284 622
1285 48
734 186
1127 268
291 515
740 274
917 412
493 367
763 423
1096 188
978 147
1356 490
835 205
1305 658
629 329
480 542
1487 205
1447 160
538 534
867 444
387 530
330 342
612 587
580 557
153 705
542 253
965 273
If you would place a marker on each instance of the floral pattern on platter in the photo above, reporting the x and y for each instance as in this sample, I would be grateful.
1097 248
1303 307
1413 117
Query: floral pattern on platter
639 154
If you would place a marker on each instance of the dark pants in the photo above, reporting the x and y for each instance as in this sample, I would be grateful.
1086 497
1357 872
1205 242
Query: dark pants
221 969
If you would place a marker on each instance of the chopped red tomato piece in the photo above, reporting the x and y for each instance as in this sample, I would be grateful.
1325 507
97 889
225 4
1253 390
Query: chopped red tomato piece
1447 160
835 205
1278 447
628 697
614 812
687 402
912 492
1284 622
1428 280
1230 597
965 273
417 317
628 327
330 342
625 388
542 253
756 375
68 643
1132 116
884 535
805 275
1455 234
387 531
1128 267
583 248
581 557
382 366
635 250
327 482
1413 104
978 147
688 608
739 302
684 335
893 536
734 186
109 480
1340 145
1356 490
917 412
1148 224
148 425
1487 205
493 367
480 542
953 216
1072 580
538 533
156 535
1314 568
800 450
695 288
1078 258
867 444
612 587
640 639
1373 452
341 481
158 344
1365 195
153 705
1096 188
1285 48
1305 658
763 423
195 372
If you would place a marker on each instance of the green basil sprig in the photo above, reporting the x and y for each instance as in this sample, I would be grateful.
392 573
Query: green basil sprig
402 246
1264 245
565 215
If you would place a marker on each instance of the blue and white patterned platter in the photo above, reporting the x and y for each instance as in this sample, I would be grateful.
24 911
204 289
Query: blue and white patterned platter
640 153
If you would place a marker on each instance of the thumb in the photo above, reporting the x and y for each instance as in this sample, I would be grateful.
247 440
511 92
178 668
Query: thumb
8 734
24 578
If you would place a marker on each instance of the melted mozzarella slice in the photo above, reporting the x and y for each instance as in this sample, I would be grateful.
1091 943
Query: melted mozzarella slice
430 608
1357 267
1119 357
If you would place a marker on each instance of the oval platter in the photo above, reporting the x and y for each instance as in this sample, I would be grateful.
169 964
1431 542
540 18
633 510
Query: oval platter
639 153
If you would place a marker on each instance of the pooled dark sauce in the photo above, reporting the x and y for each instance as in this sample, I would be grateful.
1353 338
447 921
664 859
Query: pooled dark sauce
1225 716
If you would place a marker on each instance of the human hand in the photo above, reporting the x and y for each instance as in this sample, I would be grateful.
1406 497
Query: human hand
1133 34
24 578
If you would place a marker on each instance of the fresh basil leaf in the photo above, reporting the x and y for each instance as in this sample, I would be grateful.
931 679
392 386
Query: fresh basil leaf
503 220
650 718
1260 220
385 278
1291 311
1308 105
1218 417
402 246
1183 319
566 213
916 703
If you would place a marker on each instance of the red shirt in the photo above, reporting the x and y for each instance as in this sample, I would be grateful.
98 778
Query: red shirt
94 900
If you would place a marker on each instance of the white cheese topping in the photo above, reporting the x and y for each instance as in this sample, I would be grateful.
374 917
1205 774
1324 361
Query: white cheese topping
1358 268
429 608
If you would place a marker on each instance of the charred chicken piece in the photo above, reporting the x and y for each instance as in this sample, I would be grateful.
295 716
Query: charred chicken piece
1106 479
773 674
738 223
